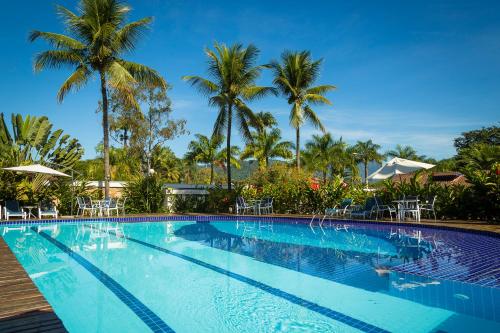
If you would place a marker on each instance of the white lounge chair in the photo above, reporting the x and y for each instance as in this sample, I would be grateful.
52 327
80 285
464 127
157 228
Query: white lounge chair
12 209
47 209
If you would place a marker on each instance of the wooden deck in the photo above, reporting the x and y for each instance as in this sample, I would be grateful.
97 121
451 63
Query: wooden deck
22 307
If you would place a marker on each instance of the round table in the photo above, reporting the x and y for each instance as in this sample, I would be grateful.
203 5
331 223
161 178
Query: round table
30 208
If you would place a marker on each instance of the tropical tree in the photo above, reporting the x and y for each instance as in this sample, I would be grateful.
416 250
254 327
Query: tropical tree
319 149
343 160
266 143
406 152
31 140
231 83
366 152
98 37
206 150
294 77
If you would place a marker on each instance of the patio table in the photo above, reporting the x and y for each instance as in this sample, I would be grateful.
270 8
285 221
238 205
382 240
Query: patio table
256 203
30 208
401 205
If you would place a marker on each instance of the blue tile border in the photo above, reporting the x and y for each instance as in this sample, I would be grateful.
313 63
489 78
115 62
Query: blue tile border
208 218
355 323
155 323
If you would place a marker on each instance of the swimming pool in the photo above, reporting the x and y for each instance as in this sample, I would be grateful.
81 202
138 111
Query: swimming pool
262 276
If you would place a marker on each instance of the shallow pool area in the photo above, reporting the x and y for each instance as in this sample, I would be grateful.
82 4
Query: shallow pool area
262 276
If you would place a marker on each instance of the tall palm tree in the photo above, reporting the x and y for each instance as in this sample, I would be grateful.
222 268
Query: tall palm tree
407 152
97 37
367 152
232 74
205 150
293 78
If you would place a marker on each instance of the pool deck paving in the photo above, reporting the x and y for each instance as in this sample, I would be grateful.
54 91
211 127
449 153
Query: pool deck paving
22 307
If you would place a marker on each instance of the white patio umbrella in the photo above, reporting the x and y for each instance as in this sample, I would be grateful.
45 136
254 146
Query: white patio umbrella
41 169
37 168
398 166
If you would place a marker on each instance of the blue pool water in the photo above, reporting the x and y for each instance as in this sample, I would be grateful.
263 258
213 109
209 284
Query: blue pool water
261 276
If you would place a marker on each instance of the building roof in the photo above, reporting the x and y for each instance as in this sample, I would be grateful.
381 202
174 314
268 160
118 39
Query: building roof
440 178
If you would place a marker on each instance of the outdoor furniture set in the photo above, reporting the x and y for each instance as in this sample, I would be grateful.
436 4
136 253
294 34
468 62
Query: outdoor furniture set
100 207
12 208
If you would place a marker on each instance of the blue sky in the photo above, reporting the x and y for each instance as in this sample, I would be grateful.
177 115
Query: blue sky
416 73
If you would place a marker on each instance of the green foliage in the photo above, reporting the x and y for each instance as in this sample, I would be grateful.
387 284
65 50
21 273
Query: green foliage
32 141
231 84
485 135
294 77
145 195
266 144
98 35
189 204
480 200
221 200
293 192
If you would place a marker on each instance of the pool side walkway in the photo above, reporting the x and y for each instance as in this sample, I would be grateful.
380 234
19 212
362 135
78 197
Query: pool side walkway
22 307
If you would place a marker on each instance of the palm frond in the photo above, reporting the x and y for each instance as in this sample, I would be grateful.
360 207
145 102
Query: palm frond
256 92
57 59
128 35
205 86
317 99
57 40
74 82
310 115
320 90
144 74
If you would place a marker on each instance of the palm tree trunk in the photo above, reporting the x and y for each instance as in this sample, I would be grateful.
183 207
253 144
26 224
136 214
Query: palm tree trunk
211 173
366 173
297 148
267 162
105 128
228 146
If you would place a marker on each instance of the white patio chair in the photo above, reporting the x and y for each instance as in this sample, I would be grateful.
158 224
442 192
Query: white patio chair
266 206
243 207
12 209
428 207
47 209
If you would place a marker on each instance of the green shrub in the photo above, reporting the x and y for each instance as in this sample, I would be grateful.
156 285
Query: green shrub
189 204
145 195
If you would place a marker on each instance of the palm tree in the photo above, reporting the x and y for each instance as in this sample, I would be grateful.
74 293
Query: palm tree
232 74
367 152
98 36
293 78
266 144
264 120
205 150
343 161
319 149
406 152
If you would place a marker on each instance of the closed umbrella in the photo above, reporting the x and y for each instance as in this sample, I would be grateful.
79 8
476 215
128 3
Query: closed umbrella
398 166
